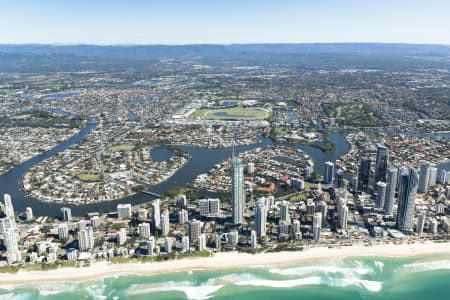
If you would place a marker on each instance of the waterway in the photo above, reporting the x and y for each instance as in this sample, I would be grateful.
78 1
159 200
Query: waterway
202 160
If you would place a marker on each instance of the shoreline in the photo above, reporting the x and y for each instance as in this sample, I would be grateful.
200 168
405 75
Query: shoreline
222 261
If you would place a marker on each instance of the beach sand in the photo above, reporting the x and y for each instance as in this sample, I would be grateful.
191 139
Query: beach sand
223 261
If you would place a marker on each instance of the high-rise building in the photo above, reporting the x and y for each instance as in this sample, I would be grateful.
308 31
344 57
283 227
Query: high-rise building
6 223
443 177
165 223
144 230
124 211
203 205
434 226
238 191
86 239
409 182
12 246
355 182
329 172
195 227
218 242
391 186
284 212
66 214
420 223
253 239
251 168
322 207
185 244
182 200
364 173
209 207
233 237
261 217
296 229
424 176
283 229
156 214
9 209
202 242
381 163
381 194
183 216
63 232
317 225
340 178
95 222
81 225
151 245
168 243
28 214
121 236
433 176
343 217
341 202
214 206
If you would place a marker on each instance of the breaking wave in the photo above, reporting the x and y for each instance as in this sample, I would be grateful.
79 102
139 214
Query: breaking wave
192 292
427 266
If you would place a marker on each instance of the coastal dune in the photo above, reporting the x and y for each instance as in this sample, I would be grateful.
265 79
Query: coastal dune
224 261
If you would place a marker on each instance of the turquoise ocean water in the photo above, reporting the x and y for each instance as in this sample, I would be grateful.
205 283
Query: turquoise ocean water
354 278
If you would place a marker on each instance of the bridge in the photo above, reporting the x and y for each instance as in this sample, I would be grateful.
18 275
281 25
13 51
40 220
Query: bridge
152 194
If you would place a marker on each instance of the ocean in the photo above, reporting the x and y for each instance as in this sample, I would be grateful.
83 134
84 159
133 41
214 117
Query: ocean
354 278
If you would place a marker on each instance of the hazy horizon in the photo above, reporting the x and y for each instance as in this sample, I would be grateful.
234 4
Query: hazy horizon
176 22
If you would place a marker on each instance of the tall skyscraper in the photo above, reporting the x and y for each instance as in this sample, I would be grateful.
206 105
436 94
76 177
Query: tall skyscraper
66 214
381 194
253 239
195 227
317 225
391 186
409 182
165 223
329 172
433 176
340 178
9 212
9 209
364 173
343 216
156 214
261 217
381 163
12 246
238 192
424 176
284 212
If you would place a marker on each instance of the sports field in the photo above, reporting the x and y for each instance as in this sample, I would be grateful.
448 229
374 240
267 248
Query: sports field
232 113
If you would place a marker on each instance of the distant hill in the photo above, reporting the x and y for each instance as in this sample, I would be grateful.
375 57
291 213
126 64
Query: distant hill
168 51
51 58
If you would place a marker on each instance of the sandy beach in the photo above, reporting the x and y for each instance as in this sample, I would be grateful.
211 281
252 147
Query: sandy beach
223 261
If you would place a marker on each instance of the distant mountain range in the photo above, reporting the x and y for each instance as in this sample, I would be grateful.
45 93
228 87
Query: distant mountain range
52 58
175 51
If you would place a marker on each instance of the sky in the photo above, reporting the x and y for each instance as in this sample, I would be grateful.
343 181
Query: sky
224 22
